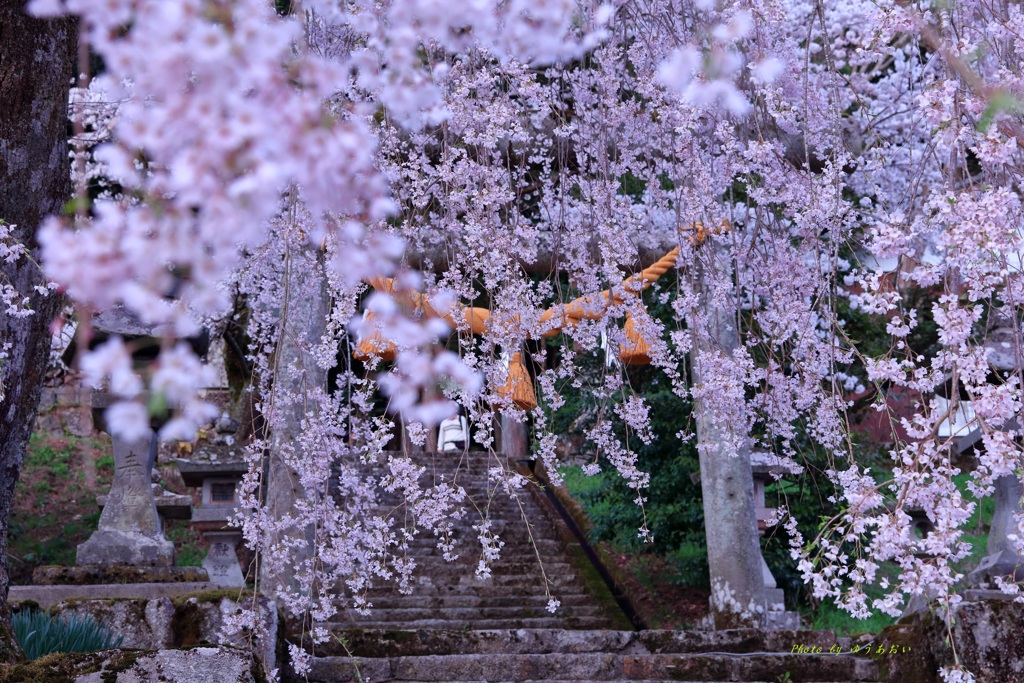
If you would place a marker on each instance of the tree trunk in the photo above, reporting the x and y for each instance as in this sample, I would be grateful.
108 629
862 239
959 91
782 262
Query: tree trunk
36 67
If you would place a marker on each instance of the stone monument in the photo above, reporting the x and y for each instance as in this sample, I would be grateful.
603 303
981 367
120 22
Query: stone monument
221 561
130 531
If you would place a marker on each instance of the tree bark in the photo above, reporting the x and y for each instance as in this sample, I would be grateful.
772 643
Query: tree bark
37 61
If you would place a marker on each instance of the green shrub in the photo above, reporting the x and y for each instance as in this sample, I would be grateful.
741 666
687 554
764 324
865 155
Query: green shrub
40 634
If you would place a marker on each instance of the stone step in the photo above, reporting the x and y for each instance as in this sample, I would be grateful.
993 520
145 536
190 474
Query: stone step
568 622
516 561
369 642
599 667
467 614
447 595
427 545
501 522
545 542
496 509
508 519
511 566
438 473
396 601
481 593
468 584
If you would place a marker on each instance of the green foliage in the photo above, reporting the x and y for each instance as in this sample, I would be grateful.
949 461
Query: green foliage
673 509
828 617
187 551
40 634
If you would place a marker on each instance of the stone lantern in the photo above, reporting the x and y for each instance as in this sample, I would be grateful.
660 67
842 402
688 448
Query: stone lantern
130 531
766 467
218 475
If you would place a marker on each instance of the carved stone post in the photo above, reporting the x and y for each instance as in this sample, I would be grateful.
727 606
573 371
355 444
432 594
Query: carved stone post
129 531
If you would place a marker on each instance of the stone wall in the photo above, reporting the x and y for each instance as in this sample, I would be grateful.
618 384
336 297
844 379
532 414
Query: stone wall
183 621
988 635
65 410
223 664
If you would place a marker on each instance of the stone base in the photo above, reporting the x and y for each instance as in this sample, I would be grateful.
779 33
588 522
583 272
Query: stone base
47 596
108 547
89 575
986 635
193 665
151 617
782 621
1003 563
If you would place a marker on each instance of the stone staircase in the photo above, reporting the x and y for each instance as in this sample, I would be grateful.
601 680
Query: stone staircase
577 655
448 595
456 627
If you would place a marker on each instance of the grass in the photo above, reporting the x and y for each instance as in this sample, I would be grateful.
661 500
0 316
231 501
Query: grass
828 616
188 552
53 508
651 574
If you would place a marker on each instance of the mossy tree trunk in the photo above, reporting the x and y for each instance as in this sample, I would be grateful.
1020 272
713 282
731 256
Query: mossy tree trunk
37 61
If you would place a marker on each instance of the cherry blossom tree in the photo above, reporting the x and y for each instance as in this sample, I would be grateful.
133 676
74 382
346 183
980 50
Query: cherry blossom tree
807 159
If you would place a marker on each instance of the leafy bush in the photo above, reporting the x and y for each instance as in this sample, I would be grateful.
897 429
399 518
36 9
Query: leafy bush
40 634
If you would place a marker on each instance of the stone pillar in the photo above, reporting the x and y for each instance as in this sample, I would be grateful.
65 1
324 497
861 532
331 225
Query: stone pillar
1002 558
515 442
727 486
303 311
129 531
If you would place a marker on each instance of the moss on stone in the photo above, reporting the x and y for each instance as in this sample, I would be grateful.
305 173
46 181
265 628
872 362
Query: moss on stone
121 660
22 605
187 624
215 595
139 603
921 634
597 588
66 667
50 575
55 668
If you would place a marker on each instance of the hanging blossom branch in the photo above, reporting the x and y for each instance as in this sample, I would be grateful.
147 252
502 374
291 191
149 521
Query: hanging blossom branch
832 149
